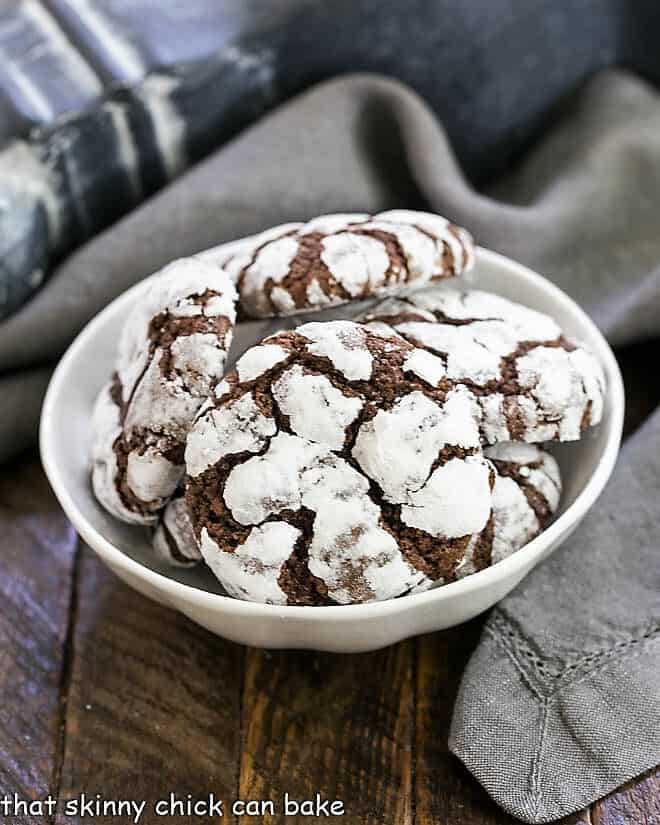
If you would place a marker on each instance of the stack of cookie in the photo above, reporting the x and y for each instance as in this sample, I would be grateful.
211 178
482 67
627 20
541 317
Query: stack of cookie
344 461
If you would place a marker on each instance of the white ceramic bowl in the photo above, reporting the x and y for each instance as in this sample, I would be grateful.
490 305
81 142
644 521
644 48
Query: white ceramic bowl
65 444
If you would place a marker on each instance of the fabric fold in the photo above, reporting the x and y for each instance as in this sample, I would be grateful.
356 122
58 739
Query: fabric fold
581 207
560 703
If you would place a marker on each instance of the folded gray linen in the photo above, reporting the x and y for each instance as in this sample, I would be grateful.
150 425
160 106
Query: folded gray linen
560 703
581 208
578 636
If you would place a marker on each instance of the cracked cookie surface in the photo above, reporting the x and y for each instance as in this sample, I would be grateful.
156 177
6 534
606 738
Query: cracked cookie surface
334 259
172 352
529 381
328 469
525 498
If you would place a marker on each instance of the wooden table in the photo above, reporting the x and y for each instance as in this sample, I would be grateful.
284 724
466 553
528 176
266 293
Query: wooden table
106 692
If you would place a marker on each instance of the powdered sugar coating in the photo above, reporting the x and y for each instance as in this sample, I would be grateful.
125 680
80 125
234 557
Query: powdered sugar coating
454 502
358 262
525 496
343 343
528 381
355 558
472 352
378 473
174 540
432 225
535 466
398 447
251 571
233 257
317 410
283 303
514 521
426 366
151 476
317 298
270 483
172 351
239 427
258 360
336 258
106 426
272 261
492 416
460 305
565 385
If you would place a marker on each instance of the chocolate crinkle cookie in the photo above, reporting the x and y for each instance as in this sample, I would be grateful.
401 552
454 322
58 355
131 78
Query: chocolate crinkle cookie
525 498
334 465
530 382
173 538
338 258
172 352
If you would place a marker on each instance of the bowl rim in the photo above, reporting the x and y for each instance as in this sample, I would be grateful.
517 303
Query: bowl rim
507 568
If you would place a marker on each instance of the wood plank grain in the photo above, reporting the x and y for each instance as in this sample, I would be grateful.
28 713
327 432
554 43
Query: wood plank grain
445 792
636 803
36 562
341 726
153 705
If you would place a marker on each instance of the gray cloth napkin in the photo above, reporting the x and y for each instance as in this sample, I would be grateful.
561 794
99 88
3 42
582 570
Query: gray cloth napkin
560 703
582 208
